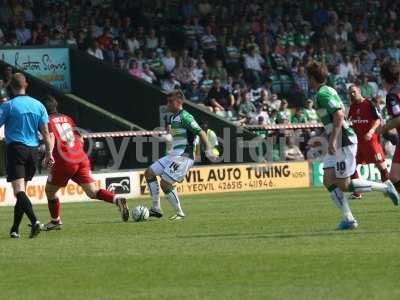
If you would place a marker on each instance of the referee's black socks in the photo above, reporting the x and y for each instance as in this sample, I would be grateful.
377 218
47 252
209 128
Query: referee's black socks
18 213
22 206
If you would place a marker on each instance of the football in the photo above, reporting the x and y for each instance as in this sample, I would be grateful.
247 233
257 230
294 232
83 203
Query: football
140 213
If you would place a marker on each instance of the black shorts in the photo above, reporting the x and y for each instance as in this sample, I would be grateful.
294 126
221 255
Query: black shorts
21 161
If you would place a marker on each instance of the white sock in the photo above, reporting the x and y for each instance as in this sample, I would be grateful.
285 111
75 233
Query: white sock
173 198
154 189
340 200
362 186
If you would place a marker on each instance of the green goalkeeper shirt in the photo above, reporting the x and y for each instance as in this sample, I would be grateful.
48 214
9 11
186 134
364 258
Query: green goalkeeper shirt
184 130
327 103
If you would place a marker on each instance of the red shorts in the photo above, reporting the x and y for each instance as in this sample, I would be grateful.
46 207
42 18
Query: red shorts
370 153
62 172
396 155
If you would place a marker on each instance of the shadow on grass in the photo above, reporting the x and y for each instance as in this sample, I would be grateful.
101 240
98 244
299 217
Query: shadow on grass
378 212
130 221
101 222
248 236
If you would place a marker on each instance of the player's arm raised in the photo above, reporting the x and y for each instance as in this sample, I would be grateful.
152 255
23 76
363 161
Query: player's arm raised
337 123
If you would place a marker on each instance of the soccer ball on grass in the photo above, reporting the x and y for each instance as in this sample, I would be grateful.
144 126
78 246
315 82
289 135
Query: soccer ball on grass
140 213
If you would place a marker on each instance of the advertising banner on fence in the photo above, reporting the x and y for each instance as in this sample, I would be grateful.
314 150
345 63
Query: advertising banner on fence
368 172
238 178
49 64
124 183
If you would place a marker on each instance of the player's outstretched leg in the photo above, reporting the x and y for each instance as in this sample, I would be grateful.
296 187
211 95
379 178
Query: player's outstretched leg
173 199
363 186
54 206
366 186
154 189
107 196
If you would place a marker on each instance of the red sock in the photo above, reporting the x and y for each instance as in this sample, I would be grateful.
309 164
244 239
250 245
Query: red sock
355 175
105 195
384 175
54 208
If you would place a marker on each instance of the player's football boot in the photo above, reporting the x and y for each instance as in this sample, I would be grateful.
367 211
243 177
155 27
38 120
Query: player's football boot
155 213
347 225
356 196
14 235
35 229
53 225
123 208
177 217
391 192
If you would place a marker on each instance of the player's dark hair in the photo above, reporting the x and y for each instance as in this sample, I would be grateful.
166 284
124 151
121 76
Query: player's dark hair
50 103
318 71
390 72
204 125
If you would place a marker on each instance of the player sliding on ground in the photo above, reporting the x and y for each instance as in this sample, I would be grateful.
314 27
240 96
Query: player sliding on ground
174 167
71 162
340 161
365 120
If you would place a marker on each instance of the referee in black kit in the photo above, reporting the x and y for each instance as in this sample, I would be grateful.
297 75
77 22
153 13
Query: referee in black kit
23 117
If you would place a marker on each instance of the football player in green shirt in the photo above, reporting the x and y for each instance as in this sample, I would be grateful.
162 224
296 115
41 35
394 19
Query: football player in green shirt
340 161
173 167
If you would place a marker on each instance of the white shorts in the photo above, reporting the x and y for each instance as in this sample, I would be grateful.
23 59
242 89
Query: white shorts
172 168
344 161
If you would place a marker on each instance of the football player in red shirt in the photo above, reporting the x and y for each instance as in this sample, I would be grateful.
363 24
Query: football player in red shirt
390 73
71 162
365 120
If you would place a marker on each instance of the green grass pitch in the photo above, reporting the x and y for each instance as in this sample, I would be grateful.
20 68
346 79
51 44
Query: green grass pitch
254 245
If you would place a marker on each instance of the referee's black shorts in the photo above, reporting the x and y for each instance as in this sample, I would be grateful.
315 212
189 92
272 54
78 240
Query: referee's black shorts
21 161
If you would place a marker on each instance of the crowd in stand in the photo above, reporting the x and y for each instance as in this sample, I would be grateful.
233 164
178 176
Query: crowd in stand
244 60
